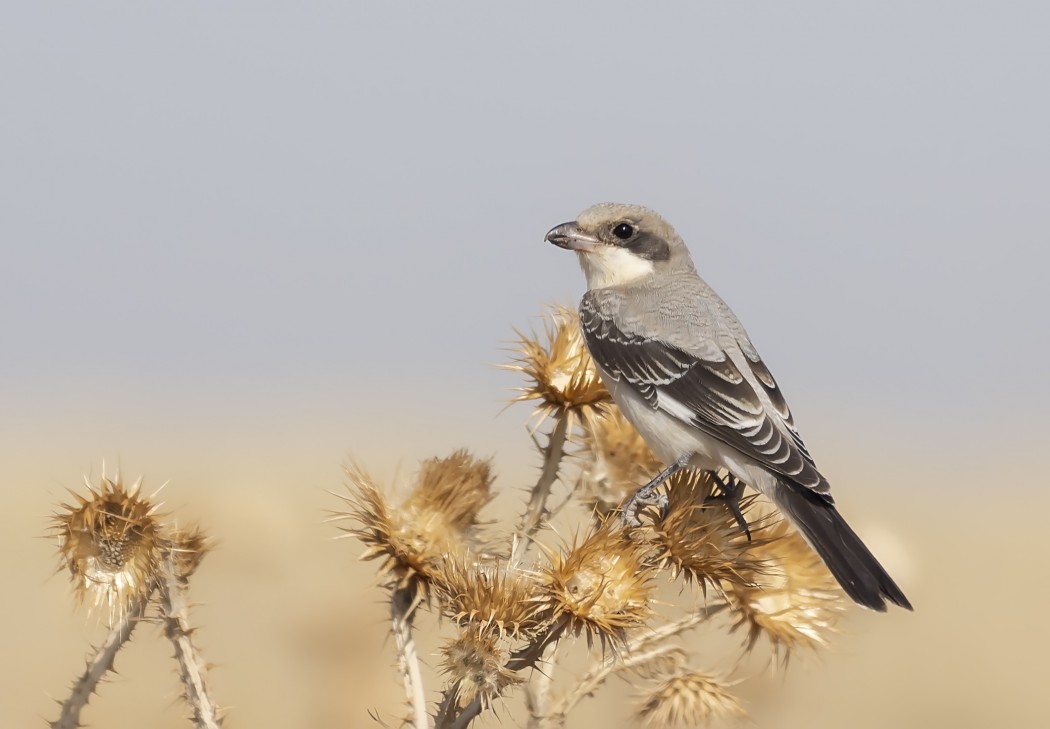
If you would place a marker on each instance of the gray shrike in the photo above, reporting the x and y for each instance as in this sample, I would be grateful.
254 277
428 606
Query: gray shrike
680 366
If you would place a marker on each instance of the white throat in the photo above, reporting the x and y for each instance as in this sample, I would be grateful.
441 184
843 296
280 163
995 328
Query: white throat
611 266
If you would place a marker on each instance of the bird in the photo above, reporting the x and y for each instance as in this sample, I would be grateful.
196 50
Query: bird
682 369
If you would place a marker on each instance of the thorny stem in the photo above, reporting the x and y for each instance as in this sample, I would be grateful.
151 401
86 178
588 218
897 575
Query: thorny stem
538 690
594 678
402 610
676 627
99 665
520 660
638 654
192 667
537 507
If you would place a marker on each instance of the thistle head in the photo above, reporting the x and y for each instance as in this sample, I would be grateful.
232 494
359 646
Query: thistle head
614 460
475 667
187 548
109 540
489 598
794 602
698 537
600 586
560 375
689 699
435 521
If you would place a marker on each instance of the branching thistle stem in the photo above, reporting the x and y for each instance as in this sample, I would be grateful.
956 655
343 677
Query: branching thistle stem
402 609
537 507
639 654
594 678
99 665
676 627
192 667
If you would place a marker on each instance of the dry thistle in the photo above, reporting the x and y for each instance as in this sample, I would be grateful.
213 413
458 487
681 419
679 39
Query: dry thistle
700 539
511 619
109 541
614 460
559 369
188 547
601 586
435 521
475 665
794 602
452 490
490 598
121 555
689 699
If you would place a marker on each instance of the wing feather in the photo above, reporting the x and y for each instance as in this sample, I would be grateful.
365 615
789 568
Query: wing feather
707 393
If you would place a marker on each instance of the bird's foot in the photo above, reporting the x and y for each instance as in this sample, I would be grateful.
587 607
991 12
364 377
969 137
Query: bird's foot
636 503
647 495
730 489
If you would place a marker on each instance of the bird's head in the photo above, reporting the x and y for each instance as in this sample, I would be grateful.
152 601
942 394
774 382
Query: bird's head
620 244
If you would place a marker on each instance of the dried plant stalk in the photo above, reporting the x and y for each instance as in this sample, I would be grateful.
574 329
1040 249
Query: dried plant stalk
541 491
192 668
597 675
99 665
403 603
537 691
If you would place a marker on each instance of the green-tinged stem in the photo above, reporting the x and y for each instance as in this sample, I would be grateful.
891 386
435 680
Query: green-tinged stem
402 610
537 507
99 665
192 667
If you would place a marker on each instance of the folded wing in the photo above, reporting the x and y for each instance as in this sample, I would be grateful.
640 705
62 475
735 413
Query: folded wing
707 393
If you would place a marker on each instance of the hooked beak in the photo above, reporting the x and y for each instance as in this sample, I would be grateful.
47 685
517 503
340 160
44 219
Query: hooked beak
570 237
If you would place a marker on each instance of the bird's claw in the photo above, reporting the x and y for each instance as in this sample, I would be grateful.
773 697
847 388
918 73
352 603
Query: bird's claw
730 489
629 515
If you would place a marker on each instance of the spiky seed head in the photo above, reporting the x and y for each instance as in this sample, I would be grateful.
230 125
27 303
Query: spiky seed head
689 699
408 552
434 523
601 585
559 372
490 598
453 489
614 460
108 540
699 538
187 548
474 664
794 602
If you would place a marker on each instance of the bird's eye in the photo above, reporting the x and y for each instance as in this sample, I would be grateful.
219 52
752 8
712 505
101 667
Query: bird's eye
623 231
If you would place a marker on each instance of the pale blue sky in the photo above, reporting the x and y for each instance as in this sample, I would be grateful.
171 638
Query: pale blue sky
238 210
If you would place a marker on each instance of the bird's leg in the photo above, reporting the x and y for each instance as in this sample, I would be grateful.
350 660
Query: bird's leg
730 489
644 495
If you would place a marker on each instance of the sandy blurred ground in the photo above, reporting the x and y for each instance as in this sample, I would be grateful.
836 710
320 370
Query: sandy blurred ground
297 631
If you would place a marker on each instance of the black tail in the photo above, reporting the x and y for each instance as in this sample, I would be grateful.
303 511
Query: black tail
856 569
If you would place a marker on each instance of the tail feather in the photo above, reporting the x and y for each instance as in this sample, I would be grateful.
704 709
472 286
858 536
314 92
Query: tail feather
852 564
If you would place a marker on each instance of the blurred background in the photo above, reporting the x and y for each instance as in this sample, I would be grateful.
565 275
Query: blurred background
245 242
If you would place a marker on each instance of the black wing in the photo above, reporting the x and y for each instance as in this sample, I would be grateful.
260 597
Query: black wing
711 395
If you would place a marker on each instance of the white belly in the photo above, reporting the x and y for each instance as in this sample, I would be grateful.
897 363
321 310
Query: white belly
671 439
